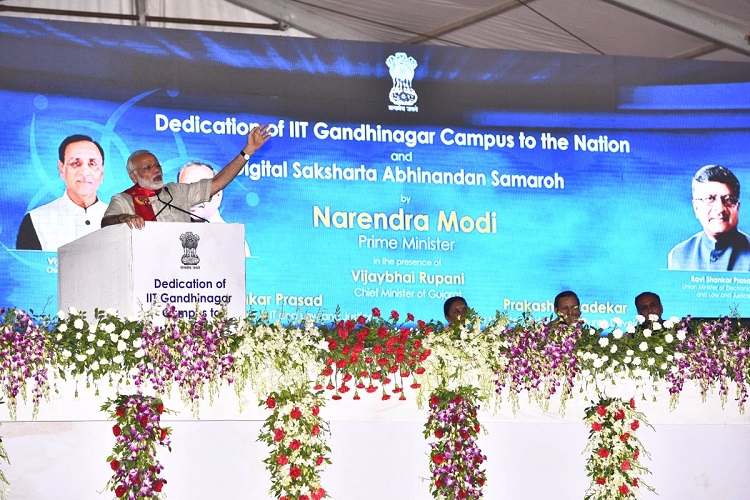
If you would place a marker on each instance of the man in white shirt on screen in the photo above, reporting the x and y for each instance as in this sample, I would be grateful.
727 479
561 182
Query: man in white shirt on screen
207 211
78 211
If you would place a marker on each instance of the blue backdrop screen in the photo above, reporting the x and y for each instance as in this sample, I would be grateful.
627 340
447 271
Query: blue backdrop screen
397 176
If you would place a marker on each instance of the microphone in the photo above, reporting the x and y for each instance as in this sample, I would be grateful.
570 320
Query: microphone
169 204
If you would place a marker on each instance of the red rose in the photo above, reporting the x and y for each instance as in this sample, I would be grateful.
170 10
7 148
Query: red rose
160 409
114 464
371 389
120 491
625 437
382 332
376 312
278 435
120 411
636 454
327 371
315 410
458 399
295 444
459 446
386 397
635 482
415 385
271 403
315 430
163 434
632 403
476 428
282 460
409 316
601 480
420 370
620 414
304 497
421 324
116 430
349 324
356 396
601 411
318 494
625 465
296 413
361 320
461 494
343 333
319 461
603 452
438 458
295 472
439 433
624 489
596 426
158 485
434 400
394 315
634 426
377 349
143 421
439 482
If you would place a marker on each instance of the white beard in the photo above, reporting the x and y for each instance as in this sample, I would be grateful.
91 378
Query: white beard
155 185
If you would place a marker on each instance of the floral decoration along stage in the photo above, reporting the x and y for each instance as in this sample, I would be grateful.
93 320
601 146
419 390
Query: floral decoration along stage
478 361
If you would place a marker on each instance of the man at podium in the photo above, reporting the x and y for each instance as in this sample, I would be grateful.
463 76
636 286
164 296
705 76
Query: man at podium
149 199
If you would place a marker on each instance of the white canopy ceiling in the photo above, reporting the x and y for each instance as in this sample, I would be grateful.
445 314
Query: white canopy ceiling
689 29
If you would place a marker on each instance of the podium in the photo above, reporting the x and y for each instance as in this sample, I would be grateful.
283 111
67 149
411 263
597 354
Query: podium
177 263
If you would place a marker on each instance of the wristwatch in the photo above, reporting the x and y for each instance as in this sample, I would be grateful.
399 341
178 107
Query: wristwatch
245 155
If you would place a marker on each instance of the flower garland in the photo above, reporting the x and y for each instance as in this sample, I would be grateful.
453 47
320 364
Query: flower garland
195 354
136 471
614 463
296 434
366 353
24 355
455 457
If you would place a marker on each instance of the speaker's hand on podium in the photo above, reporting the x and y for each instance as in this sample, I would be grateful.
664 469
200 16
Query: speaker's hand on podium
133 221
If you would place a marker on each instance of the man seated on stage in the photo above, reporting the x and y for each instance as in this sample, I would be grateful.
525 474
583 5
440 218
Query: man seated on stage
150 199
648 303
567 307
455 310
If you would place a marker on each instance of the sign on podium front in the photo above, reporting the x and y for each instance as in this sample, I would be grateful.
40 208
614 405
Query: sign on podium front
179 263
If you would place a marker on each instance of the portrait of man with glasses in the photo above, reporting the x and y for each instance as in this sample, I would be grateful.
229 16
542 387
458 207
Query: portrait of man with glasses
720 246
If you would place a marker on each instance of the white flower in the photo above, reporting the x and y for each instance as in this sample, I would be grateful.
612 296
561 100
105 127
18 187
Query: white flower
603 341
598 363
651 361
66 354
626 360
140 353
640 319
613 349
668 338
643 346
674 369
114 337
617 333
658 349
99 343
653 317
617 321
105 361
681 335
78 323
90 351
670 358
121 345
58 336
81 357
663 366
79 335
630 329
668 324
118 359
637 361
125 334
137 343
603 324
94 366
656 325
109 328
72 311
61 314
678 356
63 327
91 337
646 332
92 328
629 352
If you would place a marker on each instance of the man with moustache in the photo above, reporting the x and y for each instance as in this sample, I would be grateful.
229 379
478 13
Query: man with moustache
149 199
78 211
720 246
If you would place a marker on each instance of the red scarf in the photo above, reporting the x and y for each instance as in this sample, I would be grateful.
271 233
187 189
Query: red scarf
141 201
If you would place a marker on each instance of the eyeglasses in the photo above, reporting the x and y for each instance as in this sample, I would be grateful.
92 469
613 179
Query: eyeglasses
150 167
727 200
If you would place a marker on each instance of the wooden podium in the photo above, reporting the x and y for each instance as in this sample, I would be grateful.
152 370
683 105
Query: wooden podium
178 263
